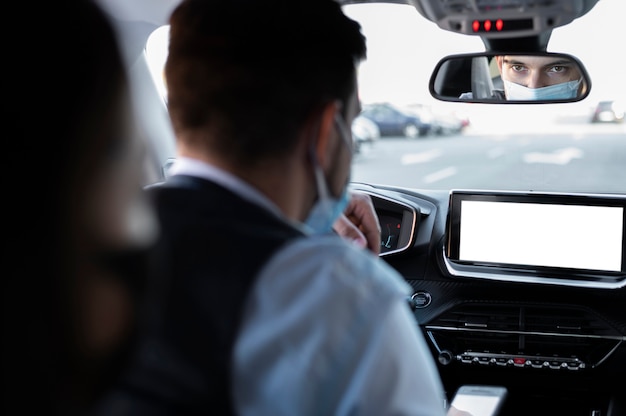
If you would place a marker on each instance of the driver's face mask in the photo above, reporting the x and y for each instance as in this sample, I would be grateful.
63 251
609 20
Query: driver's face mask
327 208
562 91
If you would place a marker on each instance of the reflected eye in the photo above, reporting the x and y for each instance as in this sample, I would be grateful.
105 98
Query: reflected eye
518 68
558 69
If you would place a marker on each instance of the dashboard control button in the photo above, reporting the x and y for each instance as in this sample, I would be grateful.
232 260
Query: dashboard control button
519 361
575 365
466 358
484 360
421 299
502 361
445 357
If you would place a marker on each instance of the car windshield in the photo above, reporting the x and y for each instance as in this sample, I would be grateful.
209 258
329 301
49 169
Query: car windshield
419 142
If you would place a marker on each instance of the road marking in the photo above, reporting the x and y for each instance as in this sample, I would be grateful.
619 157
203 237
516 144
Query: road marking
558 157
440 174
495 152
421 157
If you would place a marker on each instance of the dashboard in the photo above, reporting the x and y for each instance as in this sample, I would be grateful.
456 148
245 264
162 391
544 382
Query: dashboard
525 290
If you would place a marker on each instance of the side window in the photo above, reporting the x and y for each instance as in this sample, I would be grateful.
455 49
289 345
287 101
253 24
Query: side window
156 55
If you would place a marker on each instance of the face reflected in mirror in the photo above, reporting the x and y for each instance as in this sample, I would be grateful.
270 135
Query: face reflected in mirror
527 77
510 78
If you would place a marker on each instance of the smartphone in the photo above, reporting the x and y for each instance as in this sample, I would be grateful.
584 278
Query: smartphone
477 400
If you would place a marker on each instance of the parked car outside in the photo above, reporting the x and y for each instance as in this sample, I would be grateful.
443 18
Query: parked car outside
446 124
442 123
364 133
608 112
394 120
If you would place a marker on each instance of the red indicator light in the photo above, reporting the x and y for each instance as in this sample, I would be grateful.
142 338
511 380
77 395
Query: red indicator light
475 25
487 25
519 360
499 24
398 226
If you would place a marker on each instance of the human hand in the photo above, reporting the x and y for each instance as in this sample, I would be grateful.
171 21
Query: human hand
453 411
359 223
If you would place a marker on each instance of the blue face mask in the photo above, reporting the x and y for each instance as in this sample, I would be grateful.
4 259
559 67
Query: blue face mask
327 209
564 90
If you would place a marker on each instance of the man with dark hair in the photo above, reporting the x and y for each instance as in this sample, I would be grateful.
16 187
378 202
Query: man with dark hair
264 310
540 77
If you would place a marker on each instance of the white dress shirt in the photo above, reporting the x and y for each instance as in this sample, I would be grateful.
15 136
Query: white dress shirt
327 330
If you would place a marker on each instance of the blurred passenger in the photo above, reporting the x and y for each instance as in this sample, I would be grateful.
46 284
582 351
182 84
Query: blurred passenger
264 310
69 301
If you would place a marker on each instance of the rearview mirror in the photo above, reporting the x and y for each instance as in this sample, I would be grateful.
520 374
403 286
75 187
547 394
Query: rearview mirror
512 78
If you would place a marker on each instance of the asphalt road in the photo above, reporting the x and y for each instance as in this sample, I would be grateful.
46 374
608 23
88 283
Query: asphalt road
586 158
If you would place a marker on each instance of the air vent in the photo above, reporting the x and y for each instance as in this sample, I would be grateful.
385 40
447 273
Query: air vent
526 319
564 321
482 317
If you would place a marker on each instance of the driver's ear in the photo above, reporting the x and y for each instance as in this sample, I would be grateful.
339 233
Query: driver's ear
323 149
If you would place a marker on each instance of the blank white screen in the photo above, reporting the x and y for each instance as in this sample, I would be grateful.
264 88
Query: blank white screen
571 236
476 405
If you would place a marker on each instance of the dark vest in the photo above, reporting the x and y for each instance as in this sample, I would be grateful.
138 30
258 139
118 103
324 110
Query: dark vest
212 247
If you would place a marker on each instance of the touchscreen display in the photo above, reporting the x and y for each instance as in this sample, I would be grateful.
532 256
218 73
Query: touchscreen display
546 234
